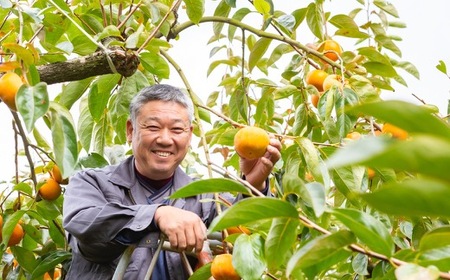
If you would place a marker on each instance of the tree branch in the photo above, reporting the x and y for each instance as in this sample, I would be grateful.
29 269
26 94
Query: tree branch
125 62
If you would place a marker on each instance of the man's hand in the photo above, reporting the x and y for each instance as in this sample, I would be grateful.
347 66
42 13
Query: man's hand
256 171
184 229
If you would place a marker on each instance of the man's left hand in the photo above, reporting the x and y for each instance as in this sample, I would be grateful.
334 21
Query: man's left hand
257 170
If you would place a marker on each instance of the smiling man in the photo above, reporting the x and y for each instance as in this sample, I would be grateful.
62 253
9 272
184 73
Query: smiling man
106 210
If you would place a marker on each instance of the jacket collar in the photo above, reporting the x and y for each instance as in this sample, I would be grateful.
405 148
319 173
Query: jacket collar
124 175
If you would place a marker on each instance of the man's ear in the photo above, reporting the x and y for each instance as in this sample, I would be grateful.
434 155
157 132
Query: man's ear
129 131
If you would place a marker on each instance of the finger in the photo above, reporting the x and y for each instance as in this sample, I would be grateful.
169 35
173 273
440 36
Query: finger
200 233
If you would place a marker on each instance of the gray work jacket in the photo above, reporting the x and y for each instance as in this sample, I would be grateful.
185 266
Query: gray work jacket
100 203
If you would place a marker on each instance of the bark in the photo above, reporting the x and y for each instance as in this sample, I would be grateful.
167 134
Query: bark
125 63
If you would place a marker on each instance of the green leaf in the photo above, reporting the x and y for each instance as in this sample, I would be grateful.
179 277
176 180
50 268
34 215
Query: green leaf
368 229
64 139
401 114
195 9
377 68
239 15
85 126
277 53
216 63
438 257
351 33
222 10
442 67
210 186
72 91
373 55
49 261
343 21
408 67
319 250
279 241
93 160
311 156
424 154
412 198
25 258
315 21
32 103
100 93
436 238
109 31
48 209
102 133
248 256
155 64
253 210
387 7
345 122
264 7
300 119
387 43
258 51
202 273
413 271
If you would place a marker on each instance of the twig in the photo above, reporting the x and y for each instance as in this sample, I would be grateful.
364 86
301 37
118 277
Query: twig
158 27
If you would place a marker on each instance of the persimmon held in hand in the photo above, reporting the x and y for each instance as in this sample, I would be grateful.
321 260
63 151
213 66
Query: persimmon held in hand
251 142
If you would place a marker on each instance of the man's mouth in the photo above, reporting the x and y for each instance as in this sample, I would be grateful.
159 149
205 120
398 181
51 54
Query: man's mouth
162 154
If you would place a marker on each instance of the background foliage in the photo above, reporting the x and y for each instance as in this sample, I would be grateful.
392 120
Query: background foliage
328 219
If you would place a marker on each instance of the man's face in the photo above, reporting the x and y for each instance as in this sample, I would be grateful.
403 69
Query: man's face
160 138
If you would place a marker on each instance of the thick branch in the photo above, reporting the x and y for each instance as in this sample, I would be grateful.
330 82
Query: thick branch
125 63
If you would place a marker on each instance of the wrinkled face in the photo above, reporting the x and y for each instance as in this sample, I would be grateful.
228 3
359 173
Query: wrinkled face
160 138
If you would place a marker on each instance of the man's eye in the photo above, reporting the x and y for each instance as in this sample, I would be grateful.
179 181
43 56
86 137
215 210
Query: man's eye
153 128
177 130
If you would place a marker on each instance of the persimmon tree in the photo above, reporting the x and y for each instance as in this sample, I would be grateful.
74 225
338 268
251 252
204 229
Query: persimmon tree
374 207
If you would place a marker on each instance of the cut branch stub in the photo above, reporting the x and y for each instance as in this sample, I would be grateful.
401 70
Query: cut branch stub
125 62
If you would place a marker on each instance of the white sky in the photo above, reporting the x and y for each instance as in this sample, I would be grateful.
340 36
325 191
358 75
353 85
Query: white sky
425 42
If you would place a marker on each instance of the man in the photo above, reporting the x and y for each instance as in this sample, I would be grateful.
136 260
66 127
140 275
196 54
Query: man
107 209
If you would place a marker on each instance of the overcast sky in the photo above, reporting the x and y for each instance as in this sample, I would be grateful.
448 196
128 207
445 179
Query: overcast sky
426 40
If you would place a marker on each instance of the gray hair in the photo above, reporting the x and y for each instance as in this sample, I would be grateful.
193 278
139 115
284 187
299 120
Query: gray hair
160 92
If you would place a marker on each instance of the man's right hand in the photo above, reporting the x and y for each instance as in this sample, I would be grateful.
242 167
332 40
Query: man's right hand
184 229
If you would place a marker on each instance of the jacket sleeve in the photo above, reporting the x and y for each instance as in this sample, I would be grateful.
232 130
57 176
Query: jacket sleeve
94 213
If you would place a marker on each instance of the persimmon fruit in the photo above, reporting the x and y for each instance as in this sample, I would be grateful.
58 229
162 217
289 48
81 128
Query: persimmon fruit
238 229
16 235
394 131
331 49
315 98
9 86
332 80
370 173
316 78
251 142
354 135
56 174
222 268
50 190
